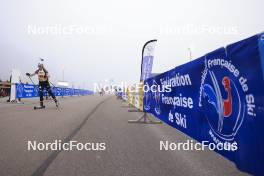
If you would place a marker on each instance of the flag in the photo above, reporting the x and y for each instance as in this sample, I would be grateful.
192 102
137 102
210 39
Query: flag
147 59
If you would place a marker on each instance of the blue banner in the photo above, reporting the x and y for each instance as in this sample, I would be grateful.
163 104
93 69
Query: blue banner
217 98
30 91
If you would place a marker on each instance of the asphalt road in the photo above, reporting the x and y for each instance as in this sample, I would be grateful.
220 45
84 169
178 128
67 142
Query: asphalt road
131 149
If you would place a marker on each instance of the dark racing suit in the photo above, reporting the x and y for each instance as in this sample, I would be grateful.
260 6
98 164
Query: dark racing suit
44 84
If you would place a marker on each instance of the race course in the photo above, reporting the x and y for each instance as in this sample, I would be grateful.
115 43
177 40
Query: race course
131 149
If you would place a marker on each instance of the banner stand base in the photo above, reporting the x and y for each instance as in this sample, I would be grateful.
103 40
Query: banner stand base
134 110
145 119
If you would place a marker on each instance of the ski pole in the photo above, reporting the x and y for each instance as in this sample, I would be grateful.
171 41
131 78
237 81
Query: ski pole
52 84
32 81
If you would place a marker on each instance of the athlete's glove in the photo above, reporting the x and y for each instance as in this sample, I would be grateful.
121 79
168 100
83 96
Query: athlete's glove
28 74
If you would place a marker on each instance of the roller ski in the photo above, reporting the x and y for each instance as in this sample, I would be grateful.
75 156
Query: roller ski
39 107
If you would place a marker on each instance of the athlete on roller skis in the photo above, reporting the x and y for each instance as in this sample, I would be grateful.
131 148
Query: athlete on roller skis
43 78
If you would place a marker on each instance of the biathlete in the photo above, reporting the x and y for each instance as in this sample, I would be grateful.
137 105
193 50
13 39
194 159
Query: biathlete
43 77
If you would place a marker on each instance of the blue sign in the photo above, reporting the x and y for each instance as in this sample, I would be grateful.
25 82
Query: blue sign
30 91
26 91
217 98
147 63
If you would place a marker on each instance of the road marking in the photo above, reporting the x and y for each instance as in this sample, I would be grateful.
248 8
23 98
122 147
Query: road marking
43 167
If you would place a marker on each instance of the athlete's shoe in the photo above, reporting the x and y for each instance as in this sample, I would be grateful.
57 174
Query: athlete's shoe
57 103
39 107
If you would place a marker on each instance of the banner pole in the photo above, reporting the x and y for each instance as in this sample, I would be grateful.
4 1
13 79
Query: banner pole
145 119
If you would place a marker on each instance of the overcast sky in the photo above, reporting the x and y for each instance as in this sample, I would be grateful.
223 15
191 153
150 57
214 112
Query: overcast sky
101 40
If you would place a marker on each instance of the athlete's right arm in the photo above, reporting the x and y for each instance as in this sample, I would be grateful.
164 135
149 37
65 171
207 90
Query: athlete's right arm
30 75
